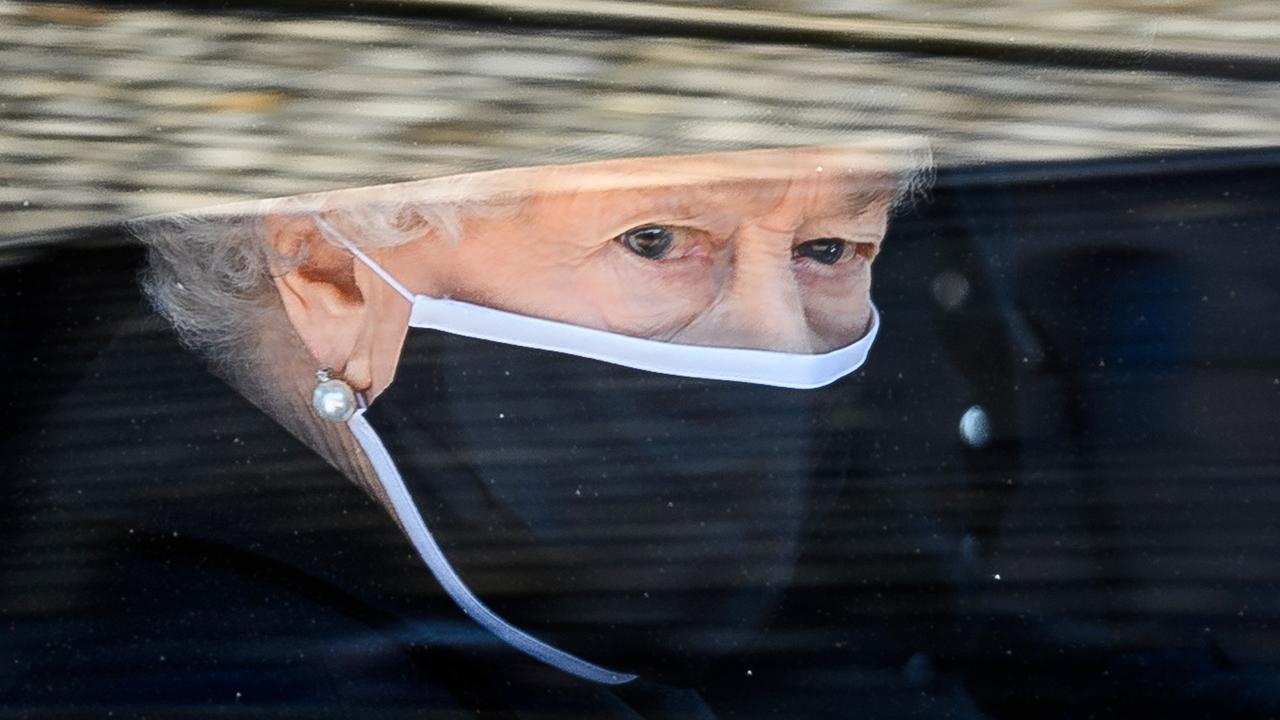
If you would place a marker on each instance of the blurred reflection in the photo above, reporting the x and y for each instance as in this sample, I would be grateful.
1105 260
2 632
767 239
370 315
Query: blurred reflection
101 135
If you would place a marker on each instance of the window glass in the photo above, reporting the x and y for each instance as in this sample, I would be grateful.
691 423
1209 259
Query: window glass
626 359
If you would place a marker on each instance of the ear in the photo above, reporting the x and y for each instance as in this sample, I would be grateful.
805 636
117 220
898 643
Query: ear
339 307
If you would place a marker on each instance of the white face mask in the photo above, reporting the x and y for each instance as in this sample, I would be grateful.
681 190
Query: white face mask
760 367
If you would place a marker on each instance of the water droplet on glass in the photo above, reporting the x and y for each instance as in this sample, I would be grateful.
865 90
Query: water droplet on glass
975 427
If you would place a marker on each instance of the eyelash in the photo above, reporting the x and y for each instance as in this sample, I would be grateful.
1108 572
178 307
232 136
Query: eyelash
814 250
682 241
651 242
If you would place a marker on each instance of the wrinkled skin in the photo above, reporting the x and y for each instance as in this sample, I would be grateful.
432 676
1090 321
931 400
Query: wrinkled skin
766 249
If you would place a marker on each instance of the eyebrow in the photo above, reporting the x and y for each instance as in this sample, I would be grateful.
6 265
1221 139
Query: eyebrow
885 190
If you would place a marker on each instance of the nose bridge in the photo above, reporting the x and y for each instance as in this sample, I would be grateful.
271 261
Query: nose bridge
766 295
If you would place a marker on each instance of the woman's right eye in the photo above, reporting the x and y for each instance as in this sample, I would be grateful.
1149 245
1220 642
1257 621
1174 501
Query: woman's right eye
651 242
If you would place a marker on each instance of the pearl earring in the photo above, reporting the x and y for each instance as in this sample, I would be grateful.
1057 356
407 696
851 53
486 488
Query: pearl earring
333 399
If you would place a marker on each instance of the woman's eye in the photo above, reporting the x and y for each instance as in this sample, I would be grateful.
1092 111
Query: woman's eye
650 241
827 251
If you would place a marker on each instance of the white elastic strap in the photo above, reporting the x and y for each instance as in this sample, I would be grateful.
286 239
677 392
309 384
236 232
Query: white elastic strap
762 367
431 554
332 232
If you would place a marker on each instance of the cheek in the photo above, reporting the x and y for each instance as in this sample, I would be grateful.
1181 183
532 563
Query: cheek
838 309
650 299
608 289
520 268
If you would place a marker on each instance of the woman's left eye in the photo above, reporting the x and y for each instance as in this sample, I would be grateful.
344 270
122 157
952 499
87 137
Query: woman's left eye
827 251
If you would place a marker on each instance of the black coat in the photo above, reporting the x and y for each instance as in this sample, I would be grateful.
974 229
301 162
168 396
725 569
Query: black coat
169 548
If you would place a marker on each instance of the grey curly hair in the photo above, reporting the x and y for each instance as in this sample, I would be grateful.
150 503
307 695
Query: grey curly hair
211 275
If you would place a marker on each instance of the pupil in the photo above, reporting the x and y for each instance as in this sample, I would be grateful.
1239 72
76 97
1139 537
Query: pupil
826 250
648 242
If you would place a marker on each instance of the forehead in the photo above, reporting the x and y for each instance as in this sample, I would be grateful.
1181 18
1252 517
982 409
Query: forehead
690 176
857 173
831 178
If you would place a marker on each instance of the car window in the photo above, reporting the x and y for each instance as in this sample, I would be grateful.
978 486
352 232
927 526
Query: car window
596 359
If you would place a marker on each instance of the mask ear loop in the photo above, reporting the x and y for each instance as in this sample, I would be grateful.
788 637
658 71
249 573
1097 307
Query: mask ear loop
430 552
328 229
424 542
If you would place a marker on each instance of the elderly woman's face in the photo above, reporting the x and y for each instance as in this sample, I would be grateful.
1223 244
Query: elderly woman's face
768 250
